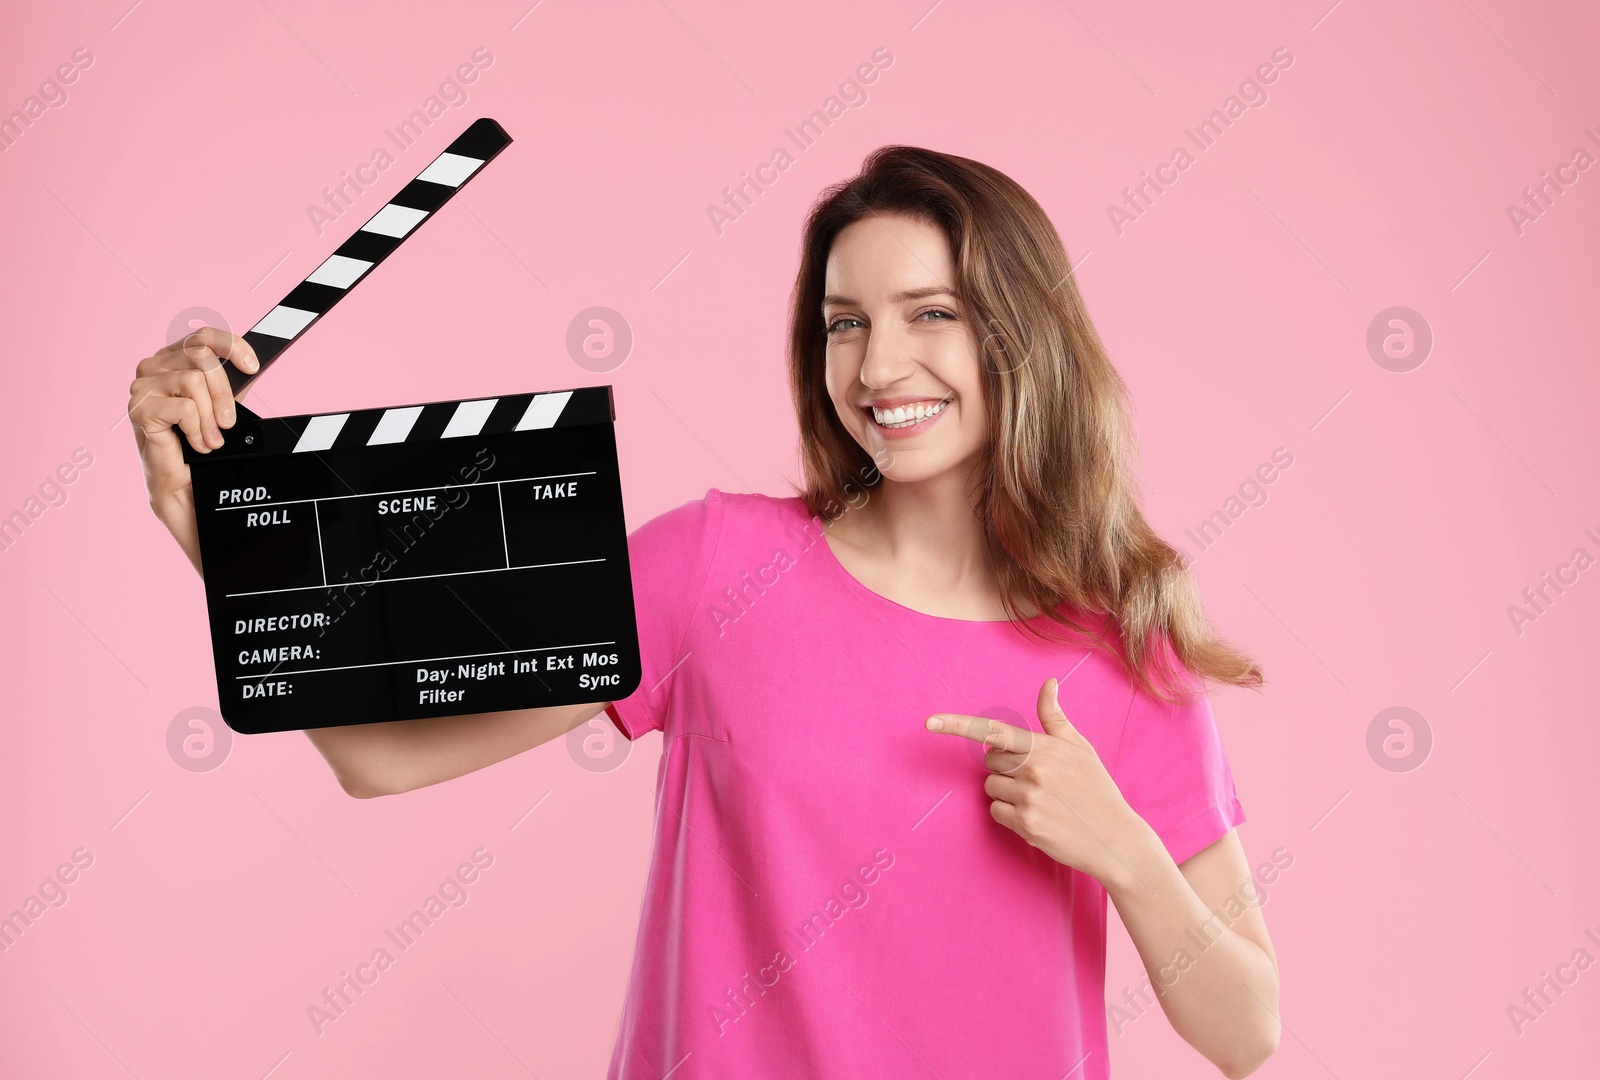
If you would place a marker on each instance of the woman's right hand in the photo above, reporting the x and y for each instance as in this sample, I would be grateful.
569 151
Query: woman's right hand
183 388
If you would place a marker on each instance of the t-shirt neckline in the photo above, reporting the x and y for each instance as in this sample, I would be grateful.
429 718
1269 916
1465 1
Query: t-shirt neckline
850 580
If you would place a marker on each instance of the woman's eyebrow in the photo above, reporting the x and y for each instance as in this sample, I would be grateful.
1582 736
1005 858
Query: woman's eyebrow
897 298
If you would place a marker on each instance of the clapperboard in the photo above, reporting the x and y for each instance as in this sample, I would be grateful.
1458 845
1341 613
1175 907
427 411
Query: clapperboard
422 560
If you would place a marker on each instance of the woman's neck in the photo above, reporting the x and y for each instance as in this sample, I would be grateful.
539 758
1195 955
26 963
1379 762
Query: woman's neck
920 540
926 521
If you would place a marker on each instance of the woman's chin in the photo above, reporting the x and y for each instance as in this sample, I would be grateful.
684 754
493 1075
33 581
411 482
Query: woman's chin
918 472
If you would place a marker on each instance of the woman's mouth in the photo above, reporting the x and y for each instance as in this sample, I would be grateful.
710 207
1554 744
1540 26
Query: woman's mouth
907 416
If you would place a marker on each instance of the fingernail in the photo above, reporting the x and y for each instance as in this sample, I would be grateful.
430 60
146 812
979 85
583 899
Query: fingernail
227 417
935 724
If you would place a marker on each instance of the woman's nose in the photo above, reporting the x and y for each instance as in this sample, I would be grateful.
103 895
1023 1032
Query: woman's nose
888 359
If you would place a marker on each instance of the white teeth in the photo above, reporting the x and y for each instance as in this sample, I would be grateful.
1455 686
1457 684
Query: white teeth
906 415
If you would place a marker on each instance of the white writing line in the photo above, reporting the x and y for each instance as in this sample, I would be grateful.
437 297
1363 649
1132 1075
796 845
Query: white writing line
505 537
321 558
431 660
415 577
401 491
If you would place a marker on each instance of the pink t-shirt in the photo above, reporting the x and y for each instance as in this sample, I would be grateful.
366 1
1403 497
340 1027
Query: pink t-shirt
828 895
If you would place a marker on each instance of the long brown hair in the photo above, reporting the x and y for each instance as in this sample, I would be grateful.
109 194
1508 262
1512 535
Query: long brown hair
1055 487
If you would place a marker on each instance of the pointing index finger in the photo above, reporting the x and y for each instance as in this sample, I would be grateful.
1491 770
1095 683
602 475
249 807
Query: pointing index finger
983 729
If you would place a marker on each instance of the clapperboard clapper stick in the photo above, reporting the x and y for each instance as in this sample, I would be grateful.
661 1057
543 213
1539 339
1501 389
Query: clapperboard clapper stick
412 561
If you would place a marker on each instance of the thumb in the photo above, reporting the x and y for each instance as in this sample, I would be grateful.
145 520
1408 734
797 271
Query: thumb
1050 715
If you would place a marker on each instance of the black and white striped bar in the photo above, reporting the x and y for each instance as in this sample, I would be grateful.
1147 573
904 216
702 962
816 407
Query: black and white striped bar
439 420
371 244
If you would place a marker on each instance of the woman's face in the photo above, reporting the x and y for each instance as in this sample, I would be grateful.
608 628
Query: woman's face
902 360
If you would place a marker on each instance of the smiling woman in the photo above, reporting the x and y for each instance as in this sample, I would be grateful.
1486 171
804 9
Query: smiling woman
951 392
1000 548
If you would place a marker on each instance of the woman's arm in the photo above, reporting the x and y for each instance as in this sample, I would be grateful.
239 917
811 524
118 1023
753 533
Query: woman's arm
389 758
1053 790
1216 978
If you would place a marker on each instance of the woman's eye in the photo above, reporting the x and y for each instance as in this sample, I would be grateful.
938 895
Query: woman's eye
841 324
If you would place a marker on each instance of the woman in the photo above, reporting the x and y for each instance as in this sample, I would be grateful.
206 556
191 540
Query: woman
867 860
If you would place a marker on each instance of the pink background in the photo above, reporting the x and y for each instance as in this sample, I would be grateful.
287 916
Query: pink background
1419 505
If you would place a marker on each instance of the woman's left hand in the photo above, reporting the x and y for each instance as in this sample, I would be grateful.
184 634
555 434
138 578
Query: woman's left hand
1051 789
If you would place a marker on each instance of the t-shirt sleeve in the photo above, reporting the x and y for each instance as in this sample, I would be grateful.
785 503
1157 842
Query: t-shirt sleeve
1174 773
668 559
